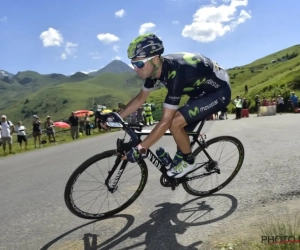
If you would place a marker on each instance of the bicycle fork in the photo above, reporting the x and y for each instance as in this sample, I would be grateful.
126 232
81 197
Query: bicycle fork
114 186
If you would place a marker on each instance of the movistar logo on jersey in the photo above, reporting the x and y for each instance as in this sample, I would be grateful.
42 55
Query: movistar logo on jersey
194 112
171 74
209 106
191 58
199 82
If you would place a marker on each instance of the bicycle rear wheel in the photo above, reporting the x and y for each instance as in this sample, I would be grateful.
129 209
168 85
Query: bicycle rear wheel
217 169
86 187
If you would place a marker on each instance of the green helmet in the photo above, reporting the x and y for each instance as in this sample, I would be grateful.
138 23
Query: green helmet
146 45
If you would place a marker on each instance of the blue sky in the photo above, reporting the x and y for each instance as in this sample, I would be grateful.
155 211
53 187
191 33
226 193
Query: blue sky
66 36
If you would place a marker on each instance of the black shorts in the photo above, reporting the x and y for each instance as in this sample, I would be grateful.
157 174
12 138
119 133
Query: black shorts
22 138
199 108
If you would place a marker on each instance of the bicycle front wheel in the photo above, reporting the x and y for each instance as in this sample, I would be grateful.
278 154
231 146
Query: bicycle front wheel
227 153
88 197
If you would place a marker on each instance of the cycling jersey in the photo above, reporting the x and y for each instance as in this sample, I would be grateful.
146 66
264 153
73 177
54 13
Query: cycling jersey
188 74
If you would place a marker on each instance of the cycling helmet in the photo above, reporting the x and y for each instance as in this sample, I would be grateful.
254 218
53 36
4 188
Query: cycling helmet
146 45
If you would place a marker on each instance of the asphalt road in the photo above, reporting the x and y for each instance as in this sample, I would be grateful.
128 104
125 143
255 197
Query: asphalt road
33 214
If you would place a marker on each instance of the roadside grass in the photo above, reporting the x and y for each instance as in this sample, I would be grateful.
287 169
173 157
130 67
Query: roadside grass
275 235
62 136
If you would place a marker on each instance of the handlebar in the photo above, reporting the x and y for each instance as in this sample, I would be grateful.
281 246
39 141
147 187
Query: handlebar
118 122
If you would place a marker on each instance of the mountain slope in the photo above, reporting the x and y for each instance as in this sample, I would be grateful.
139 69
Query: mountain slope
4 73
34 79
59 100
114 67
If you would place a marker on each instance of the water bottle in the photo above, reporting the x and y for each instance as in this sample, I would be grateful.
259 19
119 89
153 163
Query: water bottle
163 156
177 158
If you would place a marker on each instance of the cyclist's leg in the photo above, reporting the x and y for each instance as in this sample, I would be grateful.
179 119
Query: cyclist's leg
195 110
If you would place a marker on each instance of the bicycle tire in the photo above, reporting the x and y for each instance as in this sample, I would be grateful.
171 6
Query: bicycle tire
72 180
240 147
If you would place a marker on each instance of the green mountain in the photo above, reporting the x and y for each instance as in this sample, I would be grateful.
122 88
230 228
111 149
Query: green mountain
278 73
4 74
29 92
114 67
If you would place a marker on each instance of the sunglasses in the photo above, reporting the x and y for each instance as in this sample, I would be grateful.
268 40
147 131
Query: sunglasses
141 63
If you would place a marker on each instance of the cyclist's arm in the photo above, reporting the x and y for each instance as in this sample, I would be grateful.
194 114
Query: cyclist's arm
170 106
139 100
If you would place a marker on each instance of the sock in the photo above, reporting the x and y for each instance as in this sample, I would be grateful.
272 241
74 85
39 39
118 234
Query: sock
177 158
188 158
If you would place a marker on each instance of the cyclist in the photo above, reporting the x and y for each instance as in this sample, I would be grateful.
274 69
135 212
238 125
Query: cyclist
203 80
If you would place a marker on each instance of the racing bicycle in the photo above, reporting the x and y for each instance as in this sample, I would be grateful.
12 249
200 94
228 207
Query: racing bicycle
119 183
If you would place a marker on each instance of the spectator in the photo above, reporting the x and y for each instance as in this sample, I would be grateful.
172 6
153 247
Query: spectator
238 107
36 131
49 126
245 103
103 118
21 133
216 115
7 128
224 113
97 119
280 102
265 102
257 104
87 125
74 122
148 114
294 102
140 117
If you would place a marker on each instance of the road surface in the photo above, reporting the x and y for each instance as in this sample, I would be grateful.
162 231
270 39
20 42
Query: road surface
33 214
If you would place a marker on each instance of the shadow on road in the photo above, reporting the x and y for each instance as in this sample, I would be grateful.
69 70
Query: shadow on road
169 220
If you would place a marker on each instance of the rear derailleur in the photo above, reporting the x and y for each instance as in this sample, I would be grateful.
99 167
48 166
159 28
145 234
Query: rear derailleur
167 181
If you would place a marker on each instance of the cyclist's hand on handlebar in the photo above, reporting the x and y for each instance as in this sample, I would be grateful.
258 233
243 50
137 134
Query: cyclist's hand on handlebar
133 155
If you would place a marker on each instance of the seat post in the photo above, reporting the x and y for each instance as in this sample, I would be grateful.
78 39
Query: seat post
200 127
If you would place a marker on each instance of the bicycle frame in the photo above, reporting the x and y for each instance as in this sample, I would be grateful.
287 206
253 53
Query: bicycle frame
155 160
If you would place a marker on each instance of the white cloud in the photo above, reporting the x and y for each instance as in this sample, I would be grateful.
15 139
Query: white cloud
210 22
116 58
95 55
116 48
175 22
120 13
51 37
63 56
3 19
130 65
146 27
107 38
70 49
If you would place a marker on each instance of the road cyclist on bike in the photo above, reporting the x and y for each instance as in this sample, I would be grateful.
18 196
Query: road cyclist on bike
203 80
